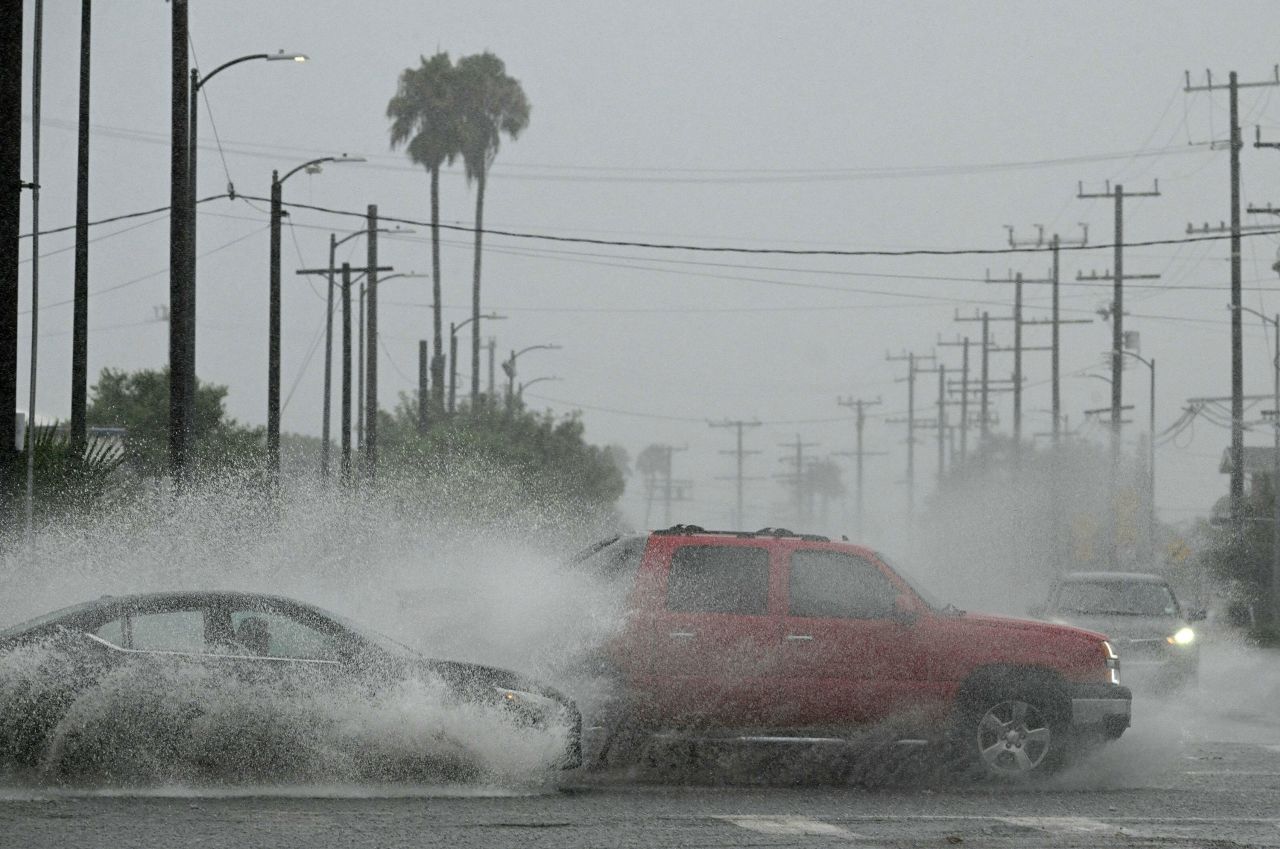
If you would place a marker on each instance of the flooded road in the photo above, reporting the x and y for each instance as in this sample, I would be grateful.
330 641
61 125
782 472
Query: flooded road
1192 772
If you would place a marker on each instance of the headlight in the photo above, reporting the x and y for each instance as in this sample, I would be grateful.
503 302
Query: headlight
530 706
1182 637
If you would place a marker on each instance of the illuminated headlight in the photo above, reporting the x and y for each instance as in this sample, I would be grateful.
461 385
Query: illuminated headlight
1182 637
1113 662
530 706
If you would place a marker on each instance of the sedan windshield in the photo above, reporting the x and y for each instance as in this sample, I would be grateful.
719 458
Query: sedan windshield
1124 598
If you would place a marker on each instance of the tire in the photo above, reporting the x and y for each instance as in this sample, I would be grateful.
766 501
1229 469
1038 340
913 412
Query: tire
1014 733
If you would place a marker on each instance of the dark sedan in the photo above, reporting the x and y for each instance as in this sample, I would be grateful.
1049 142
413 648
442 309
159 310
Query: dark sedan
159 670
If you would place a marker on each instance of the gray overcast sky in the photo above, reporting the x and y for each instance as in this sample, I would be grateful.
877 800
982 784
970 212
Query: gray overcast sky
827 125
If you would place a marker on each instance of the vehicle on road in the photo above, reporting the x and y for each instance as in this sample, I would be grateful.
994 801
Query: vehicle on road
239 646
1142 617
772 636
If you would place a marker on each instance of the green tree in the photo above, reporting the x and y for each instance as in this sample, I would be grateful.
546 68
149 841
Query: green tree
490 104
139 402
522 457
424 119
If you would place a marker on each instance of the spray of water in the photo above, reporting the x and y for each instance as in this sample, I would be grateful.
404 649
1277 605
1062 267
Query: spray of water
469 569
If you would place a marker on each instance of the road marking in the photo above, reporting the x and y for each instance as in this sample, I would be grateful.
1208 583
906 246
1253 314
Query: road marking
787 826
1063 825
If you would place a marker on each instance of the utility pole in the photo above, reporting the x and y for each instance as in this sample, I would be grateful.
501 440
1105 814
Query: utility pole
802 513
911 359
423 367
371 382
1233 87
80 294
859 405
740 454
986 383
493 356
346 356
180 420
963 344
669 495
346 350
942 422
1117 331
1018 349
11 45
346 373
1117 302
1055 244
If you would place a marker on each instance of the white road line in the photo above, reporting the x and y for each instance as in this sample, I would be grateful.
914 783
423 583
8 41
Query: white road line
787 826
1065 825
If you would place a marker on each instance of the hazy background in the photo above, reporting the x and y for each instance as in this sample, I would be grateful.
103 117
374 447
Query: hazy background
791 125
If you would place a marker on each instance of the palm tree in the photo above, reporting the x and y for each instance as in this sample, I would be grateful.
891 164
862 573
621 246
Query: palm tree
491 103
424 118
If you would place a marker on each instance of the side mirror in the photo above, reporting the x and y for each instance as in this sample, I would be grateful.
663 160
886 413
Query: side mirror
1197 615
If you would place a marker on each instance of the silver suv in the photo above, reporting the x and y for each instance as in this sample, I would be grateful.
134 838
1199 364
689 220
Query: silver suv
1158 648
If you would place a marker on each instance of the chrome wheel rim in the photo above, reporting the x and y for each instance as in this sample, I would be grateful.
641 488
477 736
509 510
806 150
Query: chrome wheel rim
1013 738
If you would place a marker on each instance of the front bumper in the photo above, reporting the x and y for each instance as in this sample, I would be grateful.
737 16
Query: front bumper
1104 707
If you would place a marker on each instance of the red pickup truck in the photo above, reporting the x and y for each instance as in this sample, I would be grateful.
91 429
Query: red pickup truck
773 635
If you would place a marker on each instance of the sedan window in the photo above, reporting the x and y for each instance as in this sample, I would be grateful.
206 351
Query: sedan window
174 630
833 584
271 634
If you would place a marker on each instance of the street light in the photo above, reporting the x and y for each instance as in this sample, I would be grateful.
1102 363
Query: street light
187 326
509 367
182 307
1275 468
524 386
1151 456
362 403
273 319
453 352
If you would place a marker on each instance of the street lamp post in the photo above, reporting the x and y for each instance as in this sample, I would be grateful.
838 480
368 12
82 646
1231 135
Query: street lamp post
362 399
273 317
188 306
453 352
1275 468
524 386
1151 457
509 368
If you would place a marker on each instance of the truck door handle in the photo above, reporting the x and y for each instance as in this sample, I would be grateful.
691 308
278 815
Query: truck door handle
681 635
800 638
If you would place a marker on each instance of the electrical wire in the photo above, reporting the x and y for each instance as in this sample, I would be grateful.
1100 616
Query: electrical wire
669 246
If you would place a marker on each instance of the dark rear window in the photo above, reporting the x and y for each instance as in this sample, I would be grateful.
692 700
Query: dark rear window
719 579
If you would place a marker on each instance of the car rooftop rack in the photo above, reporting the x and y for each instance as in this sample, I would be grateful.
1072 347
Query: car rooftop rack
779 533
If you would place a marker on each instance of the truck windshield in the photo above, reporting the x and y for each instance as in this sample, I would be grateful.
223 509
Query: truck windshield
1117 598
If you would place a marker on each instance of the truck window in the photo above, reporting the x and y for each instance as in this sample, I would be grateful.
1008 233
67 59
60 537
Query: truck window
719 579
834 584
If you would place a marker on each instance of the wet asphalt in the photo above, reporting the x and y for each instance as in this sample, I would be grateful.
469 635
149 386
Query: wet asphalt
1198 769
